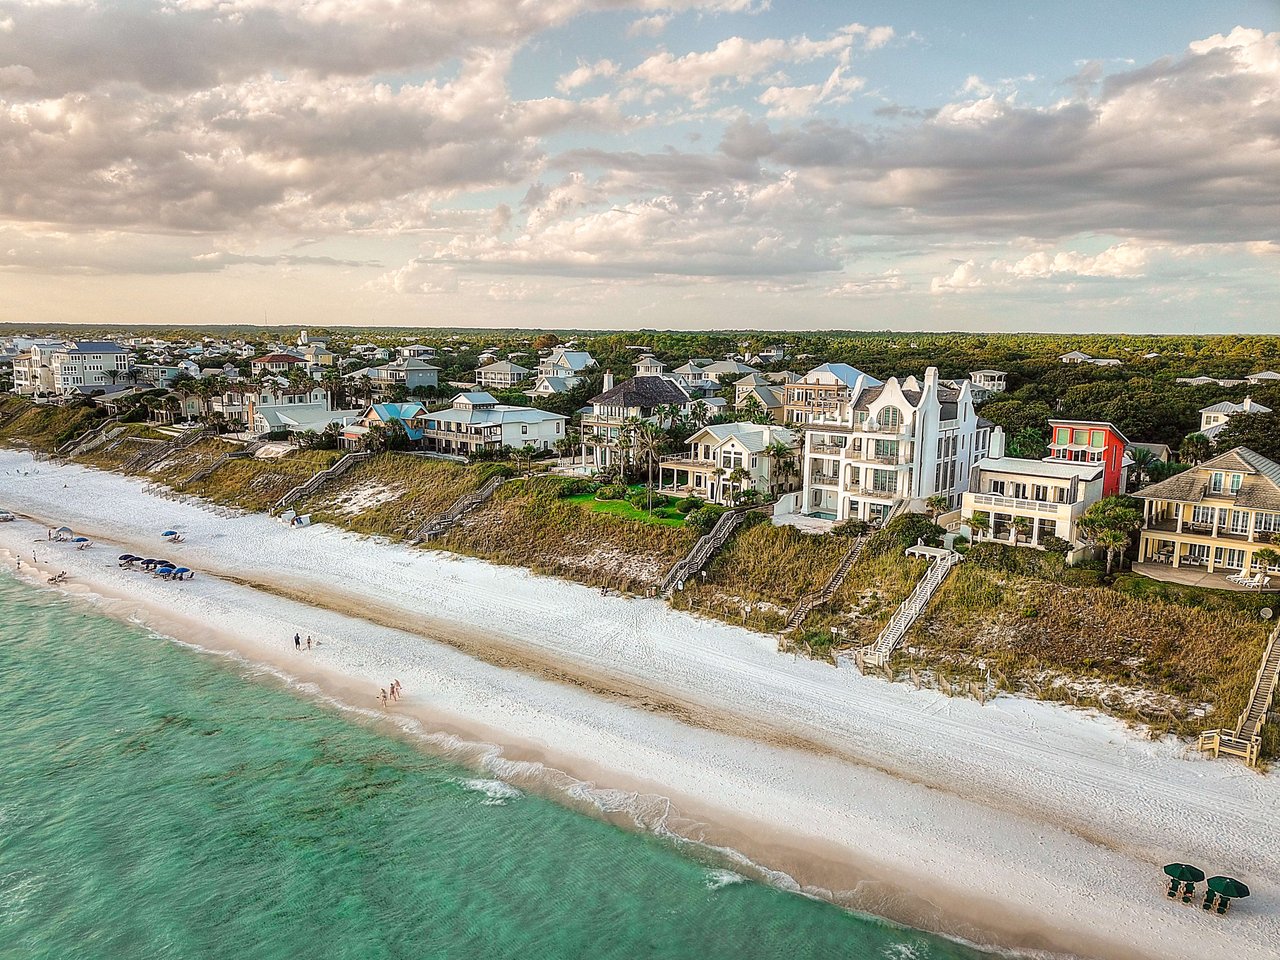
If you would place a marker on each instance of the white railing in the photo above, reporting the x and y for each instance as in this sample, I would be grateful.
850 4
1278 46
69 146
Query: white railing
879 652
310 486
1013 503
702 551
818 597
438 525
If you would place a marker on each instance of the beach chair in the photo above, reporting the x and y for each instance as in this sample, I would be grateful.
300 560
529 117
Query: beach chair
1209 897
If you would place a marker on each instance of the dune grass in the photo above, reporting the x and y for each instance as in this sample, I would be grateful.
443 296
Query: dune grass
393 494
1143 658
528 523
42 427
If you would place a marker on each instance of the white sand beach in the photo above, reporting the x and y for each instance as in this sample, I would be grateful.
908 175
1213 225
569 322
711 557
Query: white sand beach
1018 823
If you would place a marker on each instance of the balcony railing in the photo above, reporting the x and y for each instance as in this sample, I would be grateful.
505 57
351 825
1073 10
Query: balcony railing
827 448
828 479
1014 503
686 458
878 494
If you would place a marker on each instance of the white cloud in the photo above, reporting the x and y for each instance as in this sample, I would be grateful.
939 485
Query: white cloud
584 74
800 100
965 276
1126 259
649 26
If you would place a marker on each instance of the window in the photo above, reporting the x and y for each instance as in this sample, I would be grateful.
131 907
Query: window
1080 437
1215 483
1240 522
890 417
1266 522
1228 557
1097 438
997 487
1202 516
1039 491
1062 435
1236 480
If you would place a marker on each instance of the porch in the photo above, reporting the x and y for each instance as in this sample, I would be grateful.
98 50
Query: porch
1195 576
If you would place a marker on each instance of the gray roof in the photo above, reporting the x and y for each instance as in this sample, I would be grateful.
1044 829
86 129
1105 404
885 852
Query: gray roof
1227 406
645 392
96 346
753 437
846 374
1260 489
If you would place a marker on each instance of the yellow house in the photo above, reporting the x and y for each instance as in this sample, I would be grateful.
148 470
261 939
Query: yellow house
1215 516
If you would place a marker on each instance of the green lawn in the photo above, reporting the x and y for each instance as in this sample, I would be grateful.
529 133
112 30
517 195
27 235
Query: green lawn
666 516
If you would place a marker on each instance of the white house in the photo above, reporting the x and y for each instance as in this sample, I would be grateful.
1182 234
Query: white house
280 363
476 421
821 392
650 366
406 372
1213 418
1026 501
565 364
239 402
76 367
1263 376
1078 356
993 381
716 453
501 375
900 442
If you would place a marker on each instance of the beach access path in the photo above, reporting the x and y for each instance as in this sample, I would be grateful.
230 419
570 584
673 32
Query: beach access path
1041 819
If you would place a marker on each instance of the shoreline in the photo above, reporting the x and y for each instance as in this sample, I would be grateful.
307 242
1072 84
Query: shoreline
776 791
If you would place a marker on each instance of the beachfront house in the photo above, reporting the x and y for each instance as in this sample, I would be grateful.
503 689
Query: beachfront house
238 402
821 392
891 445
1027 501
704 376
379 417
725 459
1079 356
57 367
608 426
477 422
1213 418
560 372
1215 517
501 375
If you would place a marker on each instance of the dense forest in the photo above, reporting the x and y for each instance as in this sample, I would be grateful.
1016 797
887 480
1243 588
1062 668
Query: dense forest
1141 395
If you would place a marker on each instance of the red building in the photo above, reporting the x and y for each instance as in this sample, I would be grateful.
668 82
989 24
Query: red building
1090 441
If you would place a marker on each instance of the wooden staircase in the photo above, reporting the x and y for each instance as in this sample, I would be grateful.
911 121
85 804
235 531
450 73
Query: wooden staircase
154 453
106 431
320 478
877 654
818 597
703 550
72 446
1245 740
247 451
439 525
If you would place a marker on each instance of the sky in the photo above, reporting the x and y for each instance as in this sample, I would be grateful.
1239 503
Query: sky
670 164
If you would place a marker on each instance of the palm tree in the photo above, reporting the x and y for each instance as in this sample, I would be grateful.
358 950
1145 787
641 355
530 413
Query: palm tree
646 444
1108 523
1022 527
1266 557
737 477
1195 448
980 522
936 505
1143 458
1114 542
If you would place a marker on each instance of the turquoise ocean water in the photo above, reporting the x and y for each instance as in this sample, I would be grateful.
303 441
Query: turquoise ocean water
158 803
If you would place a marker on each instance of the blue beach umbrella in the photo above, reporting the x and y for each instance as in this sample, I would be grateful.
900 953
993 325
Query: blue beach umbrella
150 563
181 570
169 533
126 557
80 540
164 570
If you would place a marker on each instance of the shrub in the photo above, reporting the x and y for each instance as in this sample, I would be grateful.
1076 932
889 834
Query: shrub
689 504
905 531
640 499
852 528
703 519
1056 545
612 491
577 487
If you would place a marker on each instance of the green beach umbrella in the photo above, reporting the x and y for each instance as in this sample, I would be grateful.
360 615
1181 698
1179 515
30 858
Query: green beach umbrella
1228 887
1184 872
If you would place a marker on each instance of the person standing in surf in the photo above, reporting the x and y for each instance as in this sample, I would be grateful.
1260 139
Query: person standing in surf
297 642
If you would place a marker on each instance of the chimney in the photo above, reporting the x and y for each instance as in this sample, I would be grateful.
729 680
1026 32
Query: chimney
995 449
1248 404
608 381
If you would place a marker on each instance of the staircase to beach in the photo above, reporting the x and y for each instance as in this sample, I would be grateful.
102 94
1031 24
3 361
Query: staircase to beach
154 453
92 439
1245 740
244 453
320 478
878 653
818 597
439 525
703 550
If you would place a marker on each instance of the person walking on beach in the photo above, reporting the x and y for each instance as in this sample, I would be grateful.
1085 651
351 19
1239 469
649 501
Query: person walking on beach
297 642
395 685
308 641
382 695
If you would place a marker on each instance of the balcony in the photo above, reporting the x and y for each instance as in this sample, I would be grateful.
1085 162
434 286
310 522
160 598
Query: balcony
835 448
825 479
1012 504
875 494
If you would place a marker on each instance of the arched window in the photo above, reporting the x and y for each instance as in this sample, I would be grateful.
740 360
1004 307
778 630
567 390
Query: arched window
890 417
